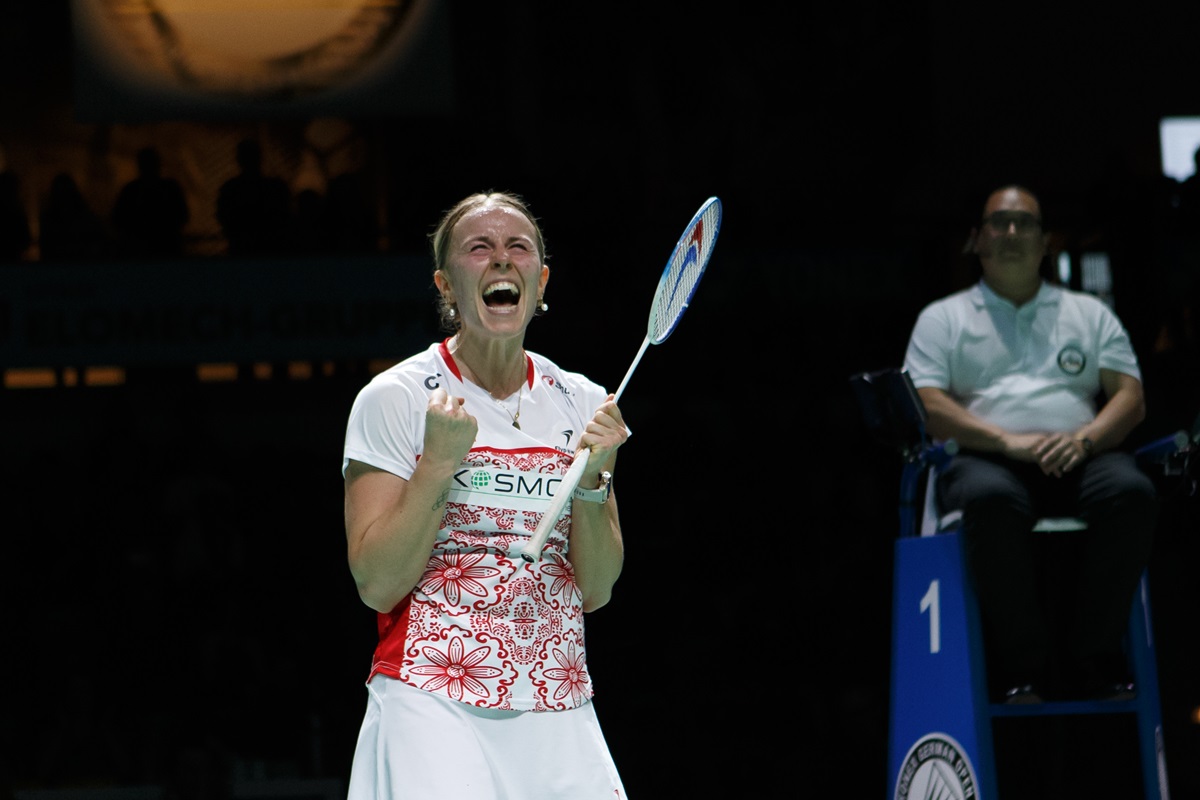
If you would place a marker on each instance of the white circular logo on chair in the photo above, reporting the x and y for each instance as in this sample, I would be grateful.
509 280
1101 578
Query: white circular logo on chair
936 767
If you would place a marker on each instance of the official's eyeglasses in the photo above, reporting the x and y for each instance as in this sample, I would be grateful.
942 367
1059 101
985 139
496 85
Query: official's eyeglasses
1020 221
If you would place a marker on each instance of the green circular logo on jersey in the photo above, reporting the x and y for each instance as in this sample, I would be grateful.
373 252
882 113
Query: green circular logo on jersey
480 479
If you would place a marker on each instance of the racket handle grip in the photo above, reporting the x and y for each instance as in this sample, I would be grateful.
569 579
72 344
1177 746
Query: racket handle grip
533 550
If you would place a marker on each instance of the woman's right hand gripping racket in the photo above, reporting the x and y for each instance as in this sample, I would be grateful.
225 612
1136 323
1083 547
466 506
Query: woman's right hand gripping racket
678 283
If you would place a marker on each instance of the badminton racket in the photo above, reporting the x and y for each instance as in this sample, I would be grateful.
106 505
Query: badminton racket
676 286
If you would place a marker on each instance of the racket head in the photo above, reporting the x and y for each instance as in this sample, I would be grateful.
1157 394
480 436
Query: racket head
684 270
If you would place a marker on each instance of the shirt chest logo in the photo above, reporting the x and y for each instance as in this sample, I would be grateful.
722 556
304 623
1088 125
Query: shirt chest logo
508 488
1071 360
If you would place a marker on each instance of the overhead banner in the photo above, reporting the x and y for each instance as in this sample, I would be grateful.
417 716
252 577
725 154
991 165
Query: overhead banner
149 60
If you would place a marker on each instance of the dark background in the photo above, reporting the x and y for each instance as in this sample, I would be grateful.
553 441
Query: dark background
177 607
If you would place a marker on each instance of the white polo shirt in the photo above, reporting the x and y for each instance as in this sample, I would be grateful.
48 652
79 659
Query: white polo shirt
1027 369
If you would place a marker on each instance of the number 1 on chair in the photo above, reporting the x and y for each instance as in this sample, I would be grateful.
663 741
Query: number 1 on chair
930 602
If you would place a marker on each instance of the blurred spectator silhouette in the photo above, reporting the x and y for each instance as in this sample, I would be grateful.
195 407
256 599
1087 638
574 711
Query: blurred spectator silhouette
15 235
1171 366
312 225
352 214
150 211
253 208
68 228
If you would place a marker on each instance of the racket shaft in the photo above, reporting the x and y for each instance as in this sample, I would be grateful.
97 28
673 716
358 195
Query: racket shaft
629 372
533 550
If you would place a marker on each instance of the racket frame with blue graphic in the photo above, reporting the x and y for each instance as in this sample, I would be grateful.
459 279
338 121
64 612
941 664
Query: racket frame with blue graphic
676 286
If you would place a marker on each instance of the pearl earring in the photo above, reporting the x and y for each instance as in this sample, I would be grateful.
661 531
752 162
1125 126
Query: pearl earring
542 305
452 312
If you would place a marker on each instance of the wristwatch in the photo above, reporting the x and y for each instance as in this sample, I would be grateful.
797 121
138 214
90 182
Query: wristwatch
597 495
1086 444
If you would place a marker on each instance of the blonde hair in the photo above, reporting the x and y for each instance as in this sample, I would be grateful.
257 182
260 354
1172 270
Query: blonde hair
440 238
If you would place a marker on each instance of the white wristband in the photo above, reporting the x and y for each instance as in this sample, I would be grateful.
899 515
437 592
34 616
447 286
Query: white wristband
597 495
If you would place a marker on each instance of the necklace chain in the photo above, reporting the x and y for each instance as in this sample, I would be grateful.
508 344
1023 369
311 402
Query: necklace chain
515 417
520 391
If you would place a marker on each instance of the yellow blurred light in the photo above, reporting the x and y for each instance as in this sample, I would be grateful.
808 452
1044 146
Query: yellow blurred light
30 378
104 376
214 373
299 370
377 365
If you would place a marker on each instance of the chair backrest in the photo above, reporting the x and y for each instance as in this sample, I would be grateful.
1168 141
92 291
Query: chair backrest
935 521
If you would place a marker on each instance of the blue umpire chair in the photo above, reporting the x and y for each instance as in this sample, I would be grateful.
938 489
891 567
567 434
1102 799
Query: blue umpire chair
940 737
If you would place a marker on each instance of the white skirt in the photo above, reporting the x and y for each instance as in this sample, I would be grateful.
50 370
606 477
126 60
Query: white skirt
417 745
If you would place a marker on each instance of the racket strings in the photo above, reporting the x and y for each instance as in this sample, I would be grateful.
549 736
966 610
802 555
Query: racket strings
687 265
671 305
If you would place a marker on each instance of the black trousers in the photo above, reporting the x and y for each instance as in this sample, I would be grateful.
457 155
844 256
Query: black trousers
1001 500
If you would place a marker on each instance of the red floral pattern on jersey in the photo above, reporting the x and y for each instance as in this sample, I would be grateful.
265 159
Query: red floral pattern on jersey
456 670
564 576
484 627
572 674
454 573
521 621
